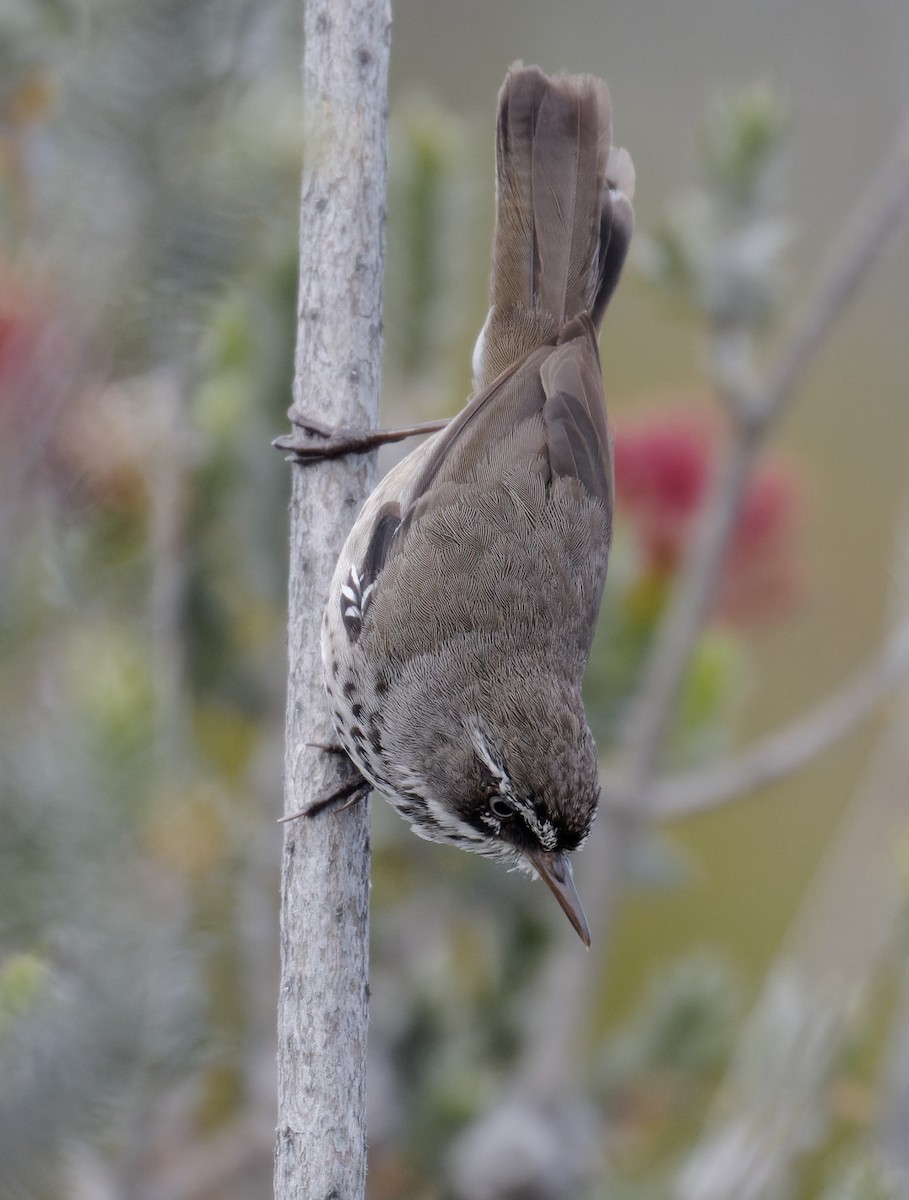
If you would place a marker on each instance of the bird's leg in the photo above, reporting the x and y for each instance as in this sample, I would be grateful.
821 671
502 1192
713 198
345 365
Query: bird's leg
328 747
343 795
313 440
337 799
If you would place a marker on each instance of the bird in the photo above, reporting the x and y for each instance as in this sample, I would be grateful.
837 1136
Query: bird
461 613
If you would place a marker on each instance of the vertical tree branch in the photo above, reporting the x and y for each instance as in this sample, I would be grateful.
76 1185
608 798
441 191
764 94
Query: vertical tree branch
321 1139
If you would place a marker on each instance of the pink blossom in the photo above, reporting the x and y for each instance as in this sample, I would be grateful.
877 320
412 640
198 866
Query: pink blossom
664 463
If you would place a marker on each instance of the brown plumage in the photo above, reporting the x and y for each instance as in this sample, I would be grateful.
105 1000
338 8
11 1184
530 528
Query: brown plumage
463 607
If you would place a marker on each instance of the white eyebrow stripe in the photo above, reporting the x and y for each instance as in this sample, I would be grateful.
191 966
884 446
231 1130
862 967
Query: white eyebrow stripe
543 831
496 770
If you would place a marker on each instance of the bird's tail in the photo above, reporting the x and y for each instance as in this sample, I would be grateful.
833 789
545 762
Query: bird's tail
563 212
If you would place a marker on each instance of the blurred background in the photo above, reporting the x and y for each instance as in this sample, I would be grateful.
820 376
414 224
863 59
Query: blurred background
150 156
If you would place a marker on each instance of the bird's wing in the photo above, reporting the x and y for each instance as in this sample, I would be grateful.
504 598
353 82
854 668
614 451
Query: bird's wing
545 415
577 436
555 395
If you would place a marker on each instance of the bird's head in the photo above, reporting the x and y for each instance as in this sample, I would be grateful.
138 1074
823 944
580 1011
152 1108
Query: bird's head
506 766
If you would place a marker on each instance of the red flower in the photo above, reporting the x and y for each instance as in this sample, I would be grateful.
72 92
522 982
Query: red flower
37 358
661 467
663 463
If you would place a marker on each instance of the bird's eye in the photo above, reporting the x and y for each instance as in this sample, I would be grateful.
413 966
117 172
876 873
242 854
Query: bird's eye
500 807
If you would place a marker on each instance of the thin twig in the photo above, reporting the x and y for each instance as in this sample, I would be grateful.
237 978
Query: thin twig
776 1096
320 1146
787 750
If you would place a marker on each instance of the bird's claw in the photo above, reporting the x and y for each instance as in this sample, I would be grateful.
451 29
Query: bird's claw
328 747
343 796
314 440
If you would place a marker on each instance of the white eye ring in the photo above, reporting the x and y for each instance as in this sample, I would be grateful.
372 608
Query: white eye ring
500 807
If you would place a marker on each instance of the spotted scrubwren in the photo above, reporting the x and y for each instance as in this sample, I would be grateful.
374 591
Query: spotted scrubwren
462 610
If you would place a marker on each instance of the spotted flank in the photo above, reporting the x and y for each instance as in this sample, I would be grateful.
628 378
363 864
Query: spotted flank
354 602
356 592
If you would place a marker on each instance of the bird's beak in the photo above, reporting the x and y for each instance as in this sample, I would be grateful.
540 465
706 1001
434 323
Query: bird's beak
554 869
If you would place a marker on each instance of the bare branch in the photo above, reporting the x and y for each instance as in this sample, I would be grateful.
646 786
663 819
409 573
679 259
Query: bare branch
867 229
780 754
321 1137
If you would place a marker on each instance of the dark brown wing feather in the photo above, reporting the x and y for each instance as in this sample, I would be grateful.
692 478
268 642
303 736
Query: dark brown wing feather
529 456
618 226
506 531
383 533
556 394
512 399
575 417
356 592
514 267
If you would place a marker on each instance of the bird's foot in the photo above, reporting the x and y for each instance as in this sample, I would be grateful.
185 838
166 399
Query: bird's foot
313 440
328 747
342 796
336 799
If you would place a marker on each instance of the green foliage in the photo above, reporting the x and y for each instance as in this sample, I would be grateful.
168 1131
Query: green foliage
719 249
865 1177
426 165
142 596
710 696
740 148
684 1026
432 289
23 985
633 606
